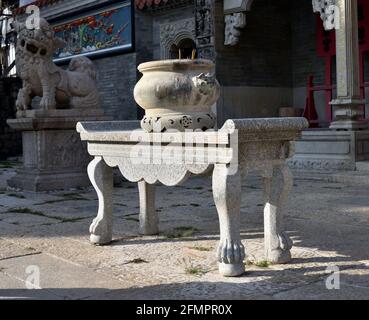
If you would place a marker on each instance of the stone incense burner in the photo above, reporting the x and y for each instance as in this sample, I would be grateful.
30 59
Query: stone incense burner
177 94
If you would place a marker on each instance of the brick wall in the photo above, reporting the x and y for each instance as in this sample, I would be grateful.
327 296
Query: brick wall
304 57
276 51
276 48
116 80
118 75
168 17
263 55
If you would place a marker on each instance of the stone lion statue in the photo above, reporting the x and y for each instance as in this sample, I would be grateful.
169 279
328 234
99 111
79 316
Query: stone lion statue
59 88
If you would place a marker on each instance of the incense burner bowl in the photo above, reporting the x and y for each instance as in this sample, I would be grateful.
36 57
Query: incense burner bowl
177 94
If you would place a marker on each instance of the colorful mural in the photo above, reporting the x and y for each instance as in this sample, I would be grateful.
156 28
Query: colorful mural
104 31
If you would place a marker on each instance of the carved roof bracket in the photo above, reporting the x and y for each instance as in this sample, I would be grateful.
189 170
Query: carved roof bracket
329 13
235 19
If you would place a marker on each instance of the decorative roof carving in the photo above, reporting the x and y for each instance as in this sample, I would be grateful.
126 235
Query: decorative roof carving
235 19
328 11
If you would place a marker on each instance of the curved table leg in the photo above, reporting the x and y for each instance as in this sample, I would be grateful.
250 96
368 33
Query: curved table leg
149 219
277 186
227 197
101 177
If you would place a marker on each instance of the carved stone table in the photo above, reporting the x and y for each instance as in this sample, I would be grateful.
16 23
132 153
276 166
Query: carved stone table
170 158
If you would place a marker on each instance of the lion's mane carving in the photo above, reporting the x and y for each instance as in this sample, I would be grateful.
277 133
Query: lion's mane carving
59 88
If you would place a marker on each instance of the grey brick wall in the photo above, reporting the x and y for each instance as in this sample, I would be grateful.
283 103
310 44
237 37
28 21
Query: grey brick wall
118 75
276 49
168 17
304 58
263 55
116 80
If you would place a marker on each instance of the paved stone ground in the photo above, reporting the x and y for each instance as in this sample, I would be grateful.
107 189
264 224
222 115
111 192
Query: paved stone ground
329 223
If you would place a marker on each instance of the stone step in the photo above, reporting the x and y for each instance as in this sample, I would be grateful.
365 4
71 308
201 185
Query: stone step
349 178
362 166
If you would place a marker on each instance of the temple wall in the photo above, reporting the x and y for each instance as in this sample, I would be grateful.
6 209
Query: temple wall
255 74
267 70
168 17
305 61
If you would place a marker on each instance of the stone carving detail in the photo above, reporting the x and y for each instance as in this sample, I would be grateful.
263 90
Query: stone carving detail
75 87
278 182
167 174
233 23
205 29
321 165
270 136
173 33
328 13
65 150
177 94
179 122
227 198
101 177
149 218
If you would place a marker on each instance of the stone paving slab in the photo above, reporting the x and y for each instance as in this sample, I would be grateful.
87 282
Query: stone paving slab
11 250
15 289
60 277
317 291
28 220
329 223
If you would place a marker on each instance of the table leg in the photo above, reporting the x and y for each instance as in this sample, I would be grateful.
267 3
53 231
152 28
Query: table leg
227 196
149 219
277 185
101 176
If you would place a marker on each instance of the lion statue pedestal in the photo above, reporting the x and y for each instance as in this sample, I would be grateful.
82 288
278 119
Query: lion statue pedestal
53 155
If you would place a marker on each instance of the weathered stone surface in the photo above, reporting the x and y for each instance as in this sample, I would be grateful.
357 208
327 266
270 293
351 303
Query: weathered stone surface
53 155
328 223
149 219
14 289
177 94
317 291
60 277
249 144
11 250
75 87
101 177
329 150
53 159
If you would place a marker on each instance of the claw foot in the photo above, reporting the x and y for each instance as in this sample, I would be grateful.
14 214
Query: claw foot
22 102
282 253
47 103
100 232
231 254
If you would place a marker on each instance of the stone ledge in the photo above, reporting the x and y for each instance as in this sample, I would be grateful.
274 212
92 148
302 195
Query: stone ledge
59 113
55 123
37 180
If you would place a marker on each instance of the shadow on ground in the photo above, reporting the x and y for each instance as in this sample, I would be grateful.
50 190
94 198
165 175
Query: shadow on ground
315 290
